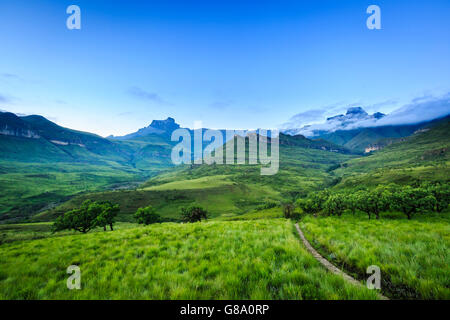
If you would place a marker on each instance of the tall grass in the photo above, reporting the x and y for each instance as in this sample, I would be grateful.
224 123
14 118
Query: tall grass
413 255
260 259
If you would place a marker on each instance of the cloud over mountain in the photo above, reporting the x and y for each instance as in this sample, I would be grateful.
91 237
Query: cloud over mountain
419 110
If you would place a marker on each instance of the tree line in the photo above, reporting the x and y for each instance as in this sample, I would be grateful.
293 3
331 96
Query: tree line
92 214
409 200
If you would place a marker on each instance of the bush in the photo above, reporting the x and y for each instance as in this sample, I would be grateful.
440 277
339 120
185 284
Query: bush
147 215
193 214
267 205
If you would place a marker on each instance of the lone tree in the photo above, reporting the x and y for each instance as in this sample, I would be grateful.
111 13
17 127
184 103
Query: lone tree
107 215
147 215
88 216
411 200
82 219
193 214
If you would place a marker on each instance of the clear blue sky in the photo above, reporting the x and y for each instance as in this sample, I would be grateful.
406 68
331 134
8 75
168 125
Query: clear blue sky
230 64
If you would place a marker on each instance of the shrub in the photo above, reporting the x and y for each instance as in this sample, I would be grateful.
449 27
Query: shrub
193 214
147 215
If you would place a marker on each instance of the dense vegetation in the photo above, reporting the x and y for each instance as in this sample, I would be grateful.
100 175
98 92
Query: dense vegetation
406 199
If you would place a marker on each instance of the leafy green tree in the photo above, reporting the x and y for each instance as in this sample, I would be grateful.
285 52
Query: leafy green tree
411 200
441 192
374 201
351 202
335 205
147 215
193 214
107 215
82 219
314 203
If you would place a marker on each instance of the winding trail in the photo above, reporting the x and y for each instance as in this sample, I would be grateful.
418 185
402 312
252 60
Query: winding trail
328 264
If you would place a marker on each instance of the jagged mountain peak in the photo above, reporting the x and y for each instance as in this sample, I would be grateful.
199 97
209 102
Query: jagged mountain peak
167 125
356 111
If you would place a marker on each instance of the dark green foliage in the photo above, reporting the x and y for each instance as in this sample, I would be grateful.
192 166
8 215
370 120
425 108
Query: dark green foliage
107 215
82 219
193 214
267 205
411 200
441 193
147 215
314 203
88 216
335 205
288 210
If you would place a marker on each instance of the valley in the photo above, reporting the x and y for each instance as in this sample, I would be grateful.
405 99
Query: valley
248 247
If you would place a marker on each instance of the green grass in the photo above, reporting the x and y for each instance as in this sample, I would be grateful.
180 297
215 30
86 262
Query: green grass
413 255
260 259
31 231
199 183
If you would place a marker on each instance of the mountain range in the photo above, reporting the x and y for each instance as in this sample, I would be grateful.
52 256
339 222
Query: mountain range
357 130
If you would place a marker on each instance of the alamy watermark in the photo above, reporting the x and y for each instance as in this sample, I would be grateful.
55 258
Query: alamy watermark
227 147
374 20
374 281
74 281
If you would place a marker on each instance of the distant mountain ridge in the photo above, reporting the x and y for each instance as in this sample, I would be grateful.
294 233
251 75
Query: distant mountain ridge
160 127
357 130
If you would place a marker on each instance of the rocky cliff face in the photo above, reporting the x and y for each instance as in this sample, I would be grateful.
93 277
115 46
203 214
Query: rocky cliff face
18 132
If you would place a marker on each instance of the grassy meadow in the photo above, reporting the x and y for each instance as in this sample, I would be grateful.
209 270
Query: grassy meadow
413 255
259 259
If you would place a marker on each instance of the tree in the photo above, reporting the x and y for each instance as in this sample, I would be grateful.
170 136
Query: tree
107 215
374 201
411 200
147 215
82 219
441 193
335 205
362 197
351 202
314 203
288 210
193 214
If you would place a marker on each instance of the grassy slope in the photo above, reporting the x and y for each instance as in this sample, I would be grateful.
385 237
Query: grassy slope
214 260
35 173
421 157
224 190
412 255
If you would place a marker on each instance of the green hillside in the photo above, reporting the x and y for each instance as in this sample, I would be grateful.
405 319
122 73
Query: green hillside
227 190
361 138
422 157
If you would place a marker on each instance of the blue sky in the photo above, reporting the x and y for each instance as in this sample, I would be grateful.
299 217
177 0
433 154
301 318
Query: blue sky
229 64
